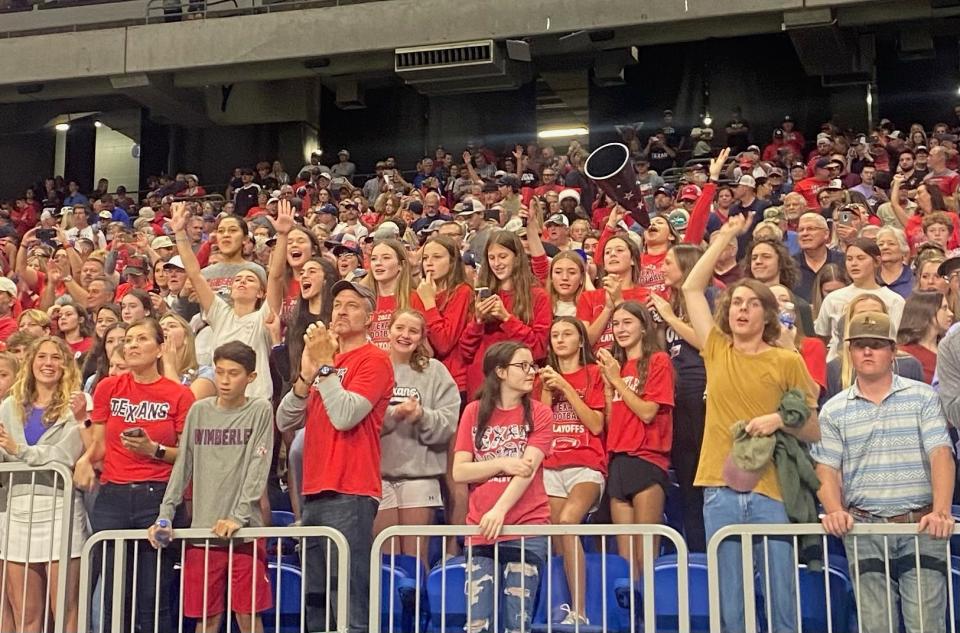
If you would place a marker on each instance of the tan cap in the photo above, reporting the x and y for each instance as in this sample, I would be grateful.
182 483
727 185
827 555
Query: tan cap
874 325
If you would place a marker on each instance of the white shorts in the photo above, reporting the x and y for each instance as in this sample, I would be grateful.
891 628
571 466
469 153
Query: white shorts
559 482
410 493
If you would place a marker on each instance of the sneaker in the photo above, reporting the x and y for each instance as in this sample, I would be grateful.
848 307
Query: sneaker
573 617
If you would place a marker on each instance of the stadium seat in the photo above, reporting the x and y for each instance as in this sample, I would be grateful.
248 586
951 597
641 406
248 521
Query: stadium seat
813 603
287 606
446 596
666 600
409 575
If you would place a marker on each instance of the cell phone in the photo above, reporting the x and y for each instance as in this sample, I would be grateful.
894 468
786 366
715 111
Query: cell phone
47 236
482 293
845 218
135 432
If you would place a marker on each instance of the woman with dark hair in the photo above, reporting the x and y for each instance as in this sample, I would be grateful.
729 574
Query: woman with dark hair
509 306
105 318
417 426
830 277
926 318
503 438
638 379
863 267
619 281
137 420
100 355
929 199
294 248
575 470
39 427
74 328
136 305
447 298
683 347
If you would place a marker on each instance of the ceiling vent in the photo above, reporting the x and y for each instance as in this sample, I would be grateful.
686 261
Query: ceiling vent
477 66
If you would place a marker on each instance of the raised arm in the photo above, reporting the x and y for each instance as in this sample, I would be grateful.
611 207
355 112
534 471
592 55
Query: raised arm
698 308
276 274
178 221
898 210
26 273
468 162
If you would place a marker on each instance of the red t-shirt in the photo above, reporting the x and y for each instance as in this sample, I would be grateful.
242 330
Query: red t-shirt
626 432
506 436
814 353
445 325
591 303
947 182
80 347
290 300
573 443
379 330
916 236
8 325
651 273
348 462
159 408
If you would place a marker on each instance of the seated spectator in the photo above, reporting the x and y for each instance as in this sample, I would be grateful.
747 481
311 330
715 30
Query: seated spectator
926 319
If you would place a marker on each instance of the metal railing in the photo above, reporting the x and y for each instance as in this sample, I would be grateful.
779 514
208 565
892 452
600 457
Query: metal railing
289 607
616 592
831 599
27 488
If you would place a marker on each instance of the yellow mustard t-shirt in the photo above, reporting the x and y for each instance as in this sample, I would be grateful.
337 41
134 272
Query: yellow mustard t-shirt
740 387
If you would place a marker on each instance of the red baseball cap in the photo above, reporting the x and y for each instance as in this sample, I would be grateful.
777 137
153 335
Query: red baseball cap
690 192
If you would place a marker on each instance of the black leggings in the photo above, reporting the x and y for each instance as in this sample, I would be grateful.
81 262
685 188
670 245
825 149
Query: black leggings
689 412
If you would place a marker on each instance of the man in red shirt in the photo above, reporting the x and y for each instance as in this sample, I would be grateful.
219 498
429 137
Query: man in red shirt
810 187
339 400
945 179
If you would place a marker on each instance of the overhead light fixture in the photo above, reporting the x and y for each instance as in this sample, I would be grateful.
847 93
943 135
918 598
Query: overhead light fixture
707 119
563 132
97 124
62 127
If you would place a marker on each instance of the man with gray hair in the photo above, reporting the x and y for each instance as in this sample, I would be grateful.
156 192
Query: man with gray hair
339 399
944 178
813 234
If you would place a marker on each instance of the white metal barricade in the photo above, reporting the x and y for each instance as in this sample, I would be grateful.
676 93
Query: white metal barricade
839 581
37 512
286 568
624 593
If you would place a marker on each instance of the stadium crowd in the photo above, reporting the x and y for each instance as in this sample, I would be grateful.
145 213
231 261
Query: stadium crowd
498 338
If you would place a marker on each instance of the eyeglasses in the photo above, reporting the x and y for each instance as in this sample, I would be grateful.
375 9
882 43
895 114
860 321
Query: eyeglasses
525 367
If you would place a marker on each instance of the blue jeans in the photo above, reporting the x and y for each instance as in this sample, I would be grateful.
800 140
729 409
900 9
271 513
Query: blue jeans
518 583
353 515
723 507
135 506
921 596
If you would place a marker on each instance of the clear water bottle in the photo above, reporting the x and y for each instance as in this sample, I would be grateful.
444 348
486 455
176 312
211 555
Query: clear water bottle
162 535
788 315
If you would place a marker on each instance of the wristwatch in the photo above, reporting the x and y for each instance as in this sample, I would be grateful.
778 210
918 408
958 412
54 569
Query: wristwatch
66 279
326 370
160 452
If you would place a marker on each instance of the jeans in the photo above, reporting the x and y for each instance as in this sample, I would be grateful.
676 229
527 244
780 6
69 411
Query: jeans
518 583
353 516
135 506
723 507
922 596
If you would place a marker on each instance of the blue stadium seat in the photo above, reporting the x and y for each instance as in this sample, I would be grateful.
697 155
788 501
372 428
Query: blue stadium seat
813 603
446 586
410 575
287 604
666 600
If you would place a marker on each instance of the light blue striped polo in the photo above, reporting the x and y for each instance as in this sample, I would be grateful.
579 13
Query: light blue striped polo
883 451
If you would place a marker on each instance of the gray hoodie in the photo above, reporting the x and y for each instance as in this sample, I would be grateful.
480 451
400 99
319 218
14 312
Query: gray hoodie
419 449
227 453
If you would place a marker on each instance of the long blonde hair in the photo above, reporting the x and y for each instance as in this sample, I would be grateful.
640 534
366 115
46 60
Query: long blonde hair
846 364
404 279
187 355
24 390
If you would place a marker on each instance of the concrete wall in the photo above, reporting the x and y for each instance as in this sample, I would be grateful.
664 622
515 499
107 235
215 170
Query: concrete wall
114 159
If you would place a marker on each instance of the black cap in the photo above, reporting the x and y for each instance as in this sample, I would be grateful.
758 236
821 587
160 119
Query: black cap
361 290
948 266
415 207
489 187
508 180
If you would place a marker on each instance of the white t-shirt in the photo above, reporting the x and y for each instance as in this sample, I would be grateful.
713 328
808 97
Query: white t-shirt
226 326
830 319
